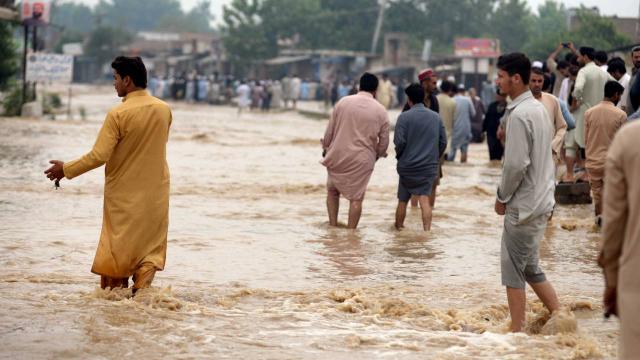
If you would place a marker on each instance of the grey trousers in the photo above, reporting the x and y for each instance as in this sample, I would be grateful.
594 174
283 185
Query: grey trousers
519 251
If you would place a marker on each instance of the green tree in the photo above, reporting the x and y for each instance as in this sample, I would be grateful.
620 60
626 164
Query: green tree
549 28
243 33
104 43
440 21
77 18
8 60
348 25
136 15
511 23
596 31
288 19
197 19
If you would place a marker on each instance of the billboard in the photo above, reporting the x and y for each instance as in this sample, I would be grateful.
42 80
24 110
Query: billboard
477 48
50 68
35 12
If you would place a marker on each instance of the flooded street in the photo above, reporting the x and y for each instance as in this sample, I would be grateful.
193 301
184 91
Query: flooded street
253 269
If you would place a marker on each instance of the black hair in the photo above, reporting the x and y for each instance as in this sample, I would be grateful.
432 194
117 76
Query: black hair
368 82
132 67
601 56
546 83
589 52
573 70
569 56
516 63
573 60
446 86
611 88
616 64
415 93
537 71
562 64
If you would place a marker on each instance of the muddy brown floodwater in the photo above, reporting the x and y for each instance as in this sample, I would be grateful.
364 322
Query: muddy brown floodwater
253 269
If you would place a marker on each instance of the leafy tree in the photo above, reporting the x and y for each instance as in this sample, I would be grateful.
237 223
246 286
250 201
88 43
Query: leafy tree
347 25
196 20
244 36
288 19
8 63
136 15
77 18
104 43
597 32
549 28
511 23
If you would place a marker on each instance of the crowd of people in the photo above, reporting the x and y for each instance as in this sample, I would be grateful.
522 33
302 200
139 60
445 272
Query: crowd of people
527 126
533 131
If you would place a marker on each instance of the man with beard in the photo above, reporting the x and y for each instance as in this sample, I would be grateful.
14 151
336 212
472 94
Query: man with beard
429 82
631 94
552 105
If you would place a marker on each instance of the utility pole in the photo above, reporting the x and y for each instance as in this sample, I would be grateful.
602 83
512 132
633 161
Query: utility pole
638 23
376 33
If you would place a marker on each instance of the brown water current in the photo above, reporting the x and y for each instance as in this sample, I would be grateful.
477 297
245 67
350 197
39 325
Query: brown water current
253 269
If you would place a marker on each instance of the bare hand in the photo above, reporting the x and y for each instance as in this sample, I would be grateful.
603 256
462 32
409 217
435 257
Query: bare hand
500 133
55 172
500 208
610 301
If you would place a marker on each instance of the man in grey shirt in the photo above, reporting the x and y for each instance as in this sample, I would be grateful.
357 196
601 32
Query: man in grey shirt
526 190
420 140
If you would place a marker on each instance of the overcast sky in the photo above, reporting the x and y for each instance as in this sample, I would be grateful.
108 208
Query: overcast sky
622 8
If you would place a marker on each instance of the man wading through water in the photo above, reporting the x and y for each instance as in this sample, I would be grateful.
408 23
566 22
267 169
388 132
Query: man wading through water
132 143
525 194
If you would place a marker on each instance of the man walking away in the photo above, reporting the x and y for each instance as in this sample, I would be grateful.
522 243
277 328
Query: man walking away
356 137
526 191
601 123
420 140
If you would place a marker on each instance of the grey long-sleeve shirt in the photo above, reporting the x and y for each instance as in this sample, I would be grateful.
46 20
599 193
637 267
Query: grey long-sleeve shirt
420 139
528 181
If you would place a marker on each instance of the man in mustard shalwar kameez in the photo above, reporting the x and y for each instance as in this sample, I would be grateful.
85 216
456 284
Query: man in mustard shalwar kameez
132 143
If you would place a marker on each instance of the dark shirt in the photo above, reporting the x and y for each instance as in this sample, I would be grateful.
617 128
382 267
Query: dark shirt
492 118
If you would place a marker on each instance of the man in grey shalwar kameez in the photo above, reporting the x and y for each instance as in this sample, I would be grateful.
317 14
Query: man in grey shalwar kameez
420 140
526 191
465 111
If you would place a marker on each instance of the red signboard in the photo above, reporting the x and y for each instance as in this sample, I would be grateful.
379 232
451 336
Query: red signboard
485 48
35 12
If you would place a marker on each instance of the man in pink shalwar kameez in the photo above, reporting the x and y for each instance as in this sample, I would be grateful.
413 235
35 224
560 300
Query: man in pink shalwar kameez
357 135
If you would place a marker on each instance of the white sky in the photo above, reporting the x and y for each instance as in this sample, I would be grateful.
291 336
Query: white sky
622 8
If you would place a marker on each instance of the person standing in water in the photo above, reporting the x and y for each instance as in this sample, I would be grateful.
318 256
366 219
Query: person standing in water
356 137
420 140
132 143
526 192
